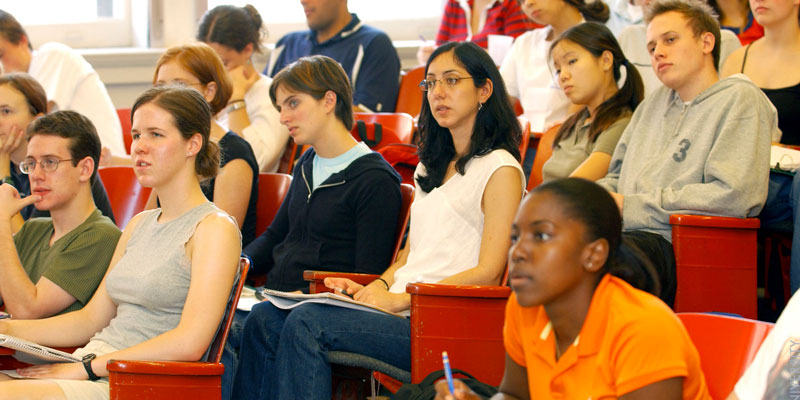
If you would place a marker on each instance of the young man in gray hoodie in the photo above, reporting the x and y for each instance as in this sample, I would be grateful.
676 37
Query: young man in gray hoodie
697 145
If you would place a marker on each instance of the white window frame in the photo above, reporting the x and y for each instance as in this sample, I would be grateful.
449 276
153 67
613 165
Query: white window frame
397 29
107 32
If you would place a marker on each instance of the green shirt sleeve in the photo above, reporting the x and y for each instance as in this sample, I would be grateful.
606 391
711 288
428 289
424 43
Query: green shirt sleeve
607 140
82 257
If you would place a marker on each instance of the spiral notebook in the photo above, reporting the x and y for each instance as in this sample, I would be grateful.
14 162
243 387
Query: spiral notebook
285 300
34 353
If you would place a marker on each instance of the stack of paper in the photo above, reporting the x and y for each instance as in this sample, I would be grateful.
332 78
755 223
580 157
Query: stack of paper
784 158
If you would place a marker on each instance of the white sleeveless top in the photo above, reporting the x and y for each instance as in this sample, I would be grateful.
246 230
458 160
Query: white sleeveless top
447 223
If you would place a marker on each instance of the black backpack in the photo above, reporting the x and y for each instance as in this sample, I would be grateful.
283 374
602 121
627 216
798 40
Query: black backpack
425 390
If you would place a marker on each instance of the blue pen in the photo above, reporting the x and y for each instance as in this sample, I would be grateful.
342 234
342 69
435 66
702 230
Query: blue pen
447 373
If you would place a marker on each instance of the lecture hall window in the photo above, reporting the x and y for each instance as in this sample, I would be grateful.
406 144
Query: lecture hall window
76 23
401 20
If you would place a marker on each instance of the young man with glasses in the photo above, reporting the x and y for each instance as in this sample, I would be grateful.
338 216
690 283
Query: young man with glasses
53 265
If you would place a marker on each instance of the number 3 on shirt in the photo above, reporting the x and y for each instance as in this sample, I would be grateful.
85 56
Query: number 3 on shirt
680 155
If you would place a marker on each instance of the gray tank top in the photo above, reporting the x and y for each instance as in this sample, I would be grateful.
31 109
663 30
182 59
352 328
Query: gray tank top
150 282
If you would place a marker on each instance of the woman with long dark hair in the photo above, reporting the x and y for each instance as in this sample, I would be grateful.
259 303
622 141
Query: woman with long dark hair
469 183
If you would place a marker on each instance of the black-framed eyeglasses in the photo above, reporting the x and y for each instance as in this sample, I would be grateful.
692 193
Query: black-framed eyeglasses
48 164
449 82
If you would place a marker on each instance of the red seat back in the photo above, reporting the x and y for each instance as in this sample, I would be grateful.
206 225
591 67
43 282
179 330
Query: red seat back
526 137
395 128
272 189
124 115
403 158
126 195
218 344
409 97
407 193
543 152
726 345
716 263
468 324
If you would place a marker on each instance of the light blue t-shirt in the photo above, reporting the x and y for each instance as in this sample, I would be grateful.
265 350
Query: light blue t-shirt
323 168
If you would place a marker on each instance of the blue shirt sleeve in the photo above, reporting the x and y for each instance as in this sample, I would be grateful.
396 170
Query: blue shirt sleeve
378 79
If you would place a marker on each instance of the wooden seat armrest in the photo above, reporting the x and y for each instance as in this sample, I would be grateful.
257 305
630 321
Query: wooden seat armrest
315 279
437 289
321 275
714 222
164 368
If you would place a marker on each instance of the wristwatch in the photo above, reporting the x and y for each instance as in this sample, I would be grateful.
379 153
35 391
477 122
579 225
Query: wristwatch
87 365
236 105
8 181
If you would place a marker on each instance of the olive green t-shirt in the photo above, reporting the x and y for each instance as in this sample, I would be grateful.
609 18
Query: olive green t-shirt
76 262
574 149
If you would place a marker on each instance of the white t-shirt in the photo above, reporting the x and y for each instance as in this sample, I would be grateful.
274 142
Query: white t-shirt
621 14
72 84
633 41
530 77
447 223
265 134
777 360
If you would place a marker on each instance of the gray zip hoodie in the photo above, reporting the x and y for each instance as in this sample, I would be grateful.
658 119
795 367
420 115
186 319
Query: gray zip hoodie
707 157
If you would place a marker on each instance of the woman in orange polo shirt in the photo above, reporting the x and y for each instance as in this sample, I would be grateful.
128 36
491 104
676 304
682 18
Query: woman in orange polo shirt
576 325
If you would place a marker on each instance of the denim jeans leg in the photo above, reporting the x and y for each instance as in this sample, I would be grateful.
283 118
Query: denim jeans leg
230 354
795 260
311 330
255 369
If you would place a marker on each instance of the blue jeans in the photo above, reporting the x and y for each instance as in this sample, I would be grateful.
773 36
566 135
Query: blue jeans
230 354
782 204
795 263
284 353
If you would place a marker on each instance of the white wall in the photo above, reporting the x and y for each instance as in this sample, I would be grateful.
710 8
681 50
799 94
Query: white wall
129 72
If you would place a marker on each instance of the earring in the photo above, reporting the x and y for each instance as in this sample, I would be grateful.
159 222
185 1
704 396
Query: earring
480 105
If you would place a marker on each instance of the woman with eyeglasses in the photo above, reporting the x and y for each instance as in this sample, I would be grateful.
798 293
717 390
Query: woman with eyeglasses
172 271
22 100
235 189
469 183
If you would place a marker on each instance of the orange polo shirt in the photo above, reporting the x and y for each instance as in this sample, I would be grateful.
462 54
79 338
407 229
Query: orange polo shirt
629 340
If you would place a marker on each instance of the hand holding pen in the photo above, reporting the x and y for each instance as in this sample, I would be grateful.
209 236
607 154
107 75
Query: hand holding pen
452 389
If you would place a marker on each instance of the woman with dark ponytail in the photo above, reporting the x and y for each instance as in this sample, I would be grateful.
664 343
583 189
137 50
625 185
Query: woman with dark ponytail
583 321
588 63
526 69
235 33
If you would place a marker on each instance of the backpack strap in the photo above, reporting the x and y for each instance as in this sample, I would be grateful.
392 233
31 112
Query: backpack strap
362 133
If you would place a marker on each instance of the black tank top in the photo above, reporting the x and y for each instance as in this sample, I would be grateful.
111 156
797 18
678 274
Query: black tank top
787 102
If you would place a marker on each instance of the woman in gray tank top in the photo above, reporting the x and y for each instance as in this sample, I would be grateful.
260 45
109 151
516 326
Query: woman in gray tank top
171 273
